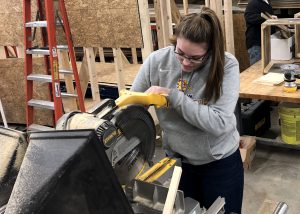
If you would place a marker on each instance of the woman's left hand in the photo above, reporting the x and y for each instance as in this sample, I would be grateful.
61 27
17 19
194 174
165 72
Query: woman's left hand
158 90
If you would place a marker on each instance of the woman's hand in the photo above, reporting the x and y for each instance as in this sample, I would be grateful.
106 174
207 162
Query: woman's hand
158 90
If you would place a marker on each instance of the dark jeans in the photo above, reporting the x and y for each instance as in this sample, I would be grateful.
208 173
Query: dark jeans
254 54
205 183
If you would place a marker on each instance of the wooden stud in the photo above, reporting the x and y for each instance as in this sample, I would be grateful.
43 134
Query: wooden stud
146 31
119 68
165 22
134 56
265 46
20 51
159 25
101 55
297 37
2 52
229 33
185 7
64 63
176 16
92 73
170 22
124 58
207 3
84 75
3 115
212 5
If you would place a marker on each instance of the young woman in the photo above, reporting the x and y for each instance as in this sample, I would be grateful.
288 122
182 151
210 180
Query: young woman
201 82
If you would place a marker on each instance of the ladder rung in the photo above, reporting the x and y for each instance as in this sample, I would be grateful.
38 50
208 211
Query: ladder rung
62 47
40 77
40 24
38 51
65 71
68 95
36 127
36 24
41 104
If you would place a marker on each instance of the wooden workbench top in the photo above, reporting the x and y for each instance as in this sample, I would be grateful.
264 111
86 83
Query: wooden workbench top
248 89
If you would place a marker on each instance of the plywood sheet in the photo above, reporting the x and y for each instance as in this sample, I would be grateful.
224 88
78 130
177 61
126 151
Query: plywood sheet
12 91
93 23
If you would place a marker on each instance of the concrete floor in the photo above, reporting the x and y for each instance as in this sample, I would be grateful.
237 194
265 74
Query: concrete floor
273 177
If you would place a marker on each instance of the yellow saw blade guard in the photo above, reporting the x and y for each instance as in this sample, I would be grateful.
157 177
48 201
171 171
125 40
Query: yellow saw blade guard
147 99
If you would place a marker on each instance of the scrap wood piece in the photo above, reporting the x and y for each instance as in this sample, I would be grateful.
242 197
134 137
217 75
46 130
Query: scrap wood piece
171 196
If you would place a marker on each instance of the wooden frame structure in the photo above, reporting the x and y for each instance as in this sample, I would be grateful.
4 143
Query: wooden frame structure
267 62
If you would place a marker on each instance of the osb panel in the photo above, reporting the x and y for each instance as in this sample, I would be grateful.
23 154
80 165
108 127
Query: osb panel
12 88
94 23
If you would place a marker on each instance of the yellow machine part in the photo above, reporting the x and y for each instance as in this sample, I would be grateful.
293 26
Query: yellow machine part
129 97
157 170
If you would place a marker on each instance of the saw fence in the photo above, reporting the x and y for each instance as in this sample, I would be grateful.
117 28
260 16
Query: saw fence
113 37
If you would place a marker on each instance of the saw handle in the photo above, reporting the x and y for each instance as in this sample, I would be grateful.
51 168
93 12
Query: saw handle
130 97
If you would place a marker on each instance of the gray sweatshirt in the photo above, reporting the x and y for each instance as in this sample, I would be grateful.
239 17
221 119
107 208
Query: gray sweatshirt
197 131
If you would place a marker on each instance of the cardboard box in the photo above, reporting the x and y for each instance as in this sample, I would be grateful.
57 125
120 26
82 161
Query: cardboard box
281 49
247 150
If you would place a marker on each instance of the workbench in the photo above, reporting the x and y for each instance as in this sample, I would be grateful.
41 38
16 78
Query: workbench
251 90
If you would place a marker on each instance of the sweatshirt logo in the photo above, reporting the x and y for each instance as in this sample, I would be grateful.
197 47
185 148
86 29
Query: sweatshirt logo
182 85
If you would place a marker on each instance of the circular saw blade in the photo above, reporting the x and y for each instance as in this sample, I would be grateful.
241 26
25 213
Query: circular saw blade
130 166
135 121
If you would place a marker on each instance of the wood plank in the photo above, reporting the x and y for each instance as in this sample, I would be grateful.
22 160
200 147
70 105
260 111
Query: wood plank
134 56
92 72
146 31
20 51
248 89
229 34
159 24
64 64
2 52
119 68
3 115
297 35
171 196
185 7
84 74
175 12
207 3
166 22
101 55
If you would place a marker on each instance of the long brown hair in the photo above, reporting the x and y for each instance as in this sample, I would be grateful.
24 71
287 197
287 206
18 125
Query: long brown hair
205 27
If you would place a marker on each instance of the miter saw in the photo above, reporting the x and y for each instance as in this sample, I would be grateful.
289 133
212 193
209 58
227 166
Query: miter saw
79 167
125 128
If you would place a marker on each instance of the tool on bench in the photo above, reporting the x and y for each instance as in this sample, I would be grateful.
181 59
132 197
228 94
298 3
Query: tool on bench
290 76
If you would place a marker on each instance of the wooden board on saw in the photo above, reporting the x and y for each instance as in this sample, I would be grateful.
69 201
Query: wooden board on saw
12 87
106 72
112 23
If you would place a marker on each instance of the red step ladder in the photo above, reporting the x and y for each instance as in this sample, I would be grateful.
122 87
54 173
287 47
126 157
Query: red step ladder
47 23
